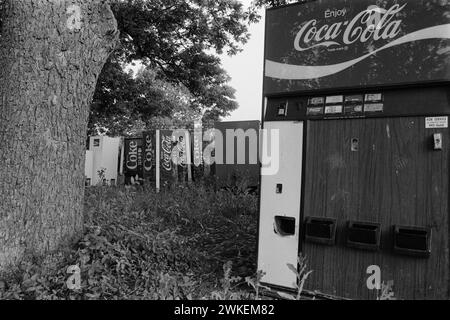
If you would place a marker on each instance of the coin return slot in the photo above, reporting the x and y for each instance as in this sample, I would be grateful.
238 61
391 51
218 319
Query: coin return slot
284 226
363 235
413 241
320 230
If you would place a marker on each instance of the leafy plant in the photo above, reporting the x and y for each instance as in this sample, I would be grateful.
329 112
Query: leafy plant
387 291
226 292
302 275
101 173
255 283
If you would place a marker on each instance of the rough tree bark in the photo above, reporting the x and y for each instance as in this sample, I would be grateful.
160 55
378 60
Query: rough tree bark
51 53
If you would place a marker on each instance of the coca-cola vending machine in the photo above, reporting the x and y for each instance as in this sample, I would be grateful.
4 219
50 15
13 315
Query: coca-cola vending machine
358 93
197 146
238 151
149 162
134 161
166 167
102 161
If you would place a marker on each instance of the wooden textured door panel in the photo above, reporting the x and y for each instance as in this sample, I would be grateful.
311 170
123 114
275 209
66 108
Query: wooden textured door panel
394 178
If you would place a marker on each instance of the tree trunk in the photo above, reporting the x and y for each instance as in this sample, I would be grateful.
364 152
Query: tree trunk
51 53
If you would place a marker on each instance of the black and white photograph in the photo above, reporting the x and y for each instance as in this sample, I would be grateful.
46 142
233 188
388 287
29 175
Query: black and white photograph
225 158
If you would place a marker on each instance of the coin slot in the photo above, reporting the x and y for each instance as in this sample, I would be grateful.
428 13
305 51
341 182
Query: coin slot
282 109
355 145
279 189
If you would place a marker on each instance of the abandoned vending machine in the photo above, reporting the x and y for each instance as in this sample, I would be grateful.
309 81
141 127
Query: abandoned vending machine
359 94
102 161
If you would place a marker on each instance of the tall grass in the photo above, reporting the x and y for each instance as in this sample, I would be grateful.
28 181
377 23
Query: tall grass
139 244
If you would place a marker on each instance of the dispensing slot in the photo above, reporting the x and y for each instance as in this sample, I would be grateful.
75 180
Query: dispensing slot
284 226
413 241
363 235
320 230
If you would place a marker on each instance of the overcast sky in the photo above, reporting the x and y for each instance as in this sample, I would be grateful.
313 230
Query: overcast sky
246 70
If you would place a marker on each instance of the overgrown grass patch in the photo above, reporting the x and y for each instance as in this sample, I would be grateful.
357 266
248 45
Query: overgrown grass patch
139 244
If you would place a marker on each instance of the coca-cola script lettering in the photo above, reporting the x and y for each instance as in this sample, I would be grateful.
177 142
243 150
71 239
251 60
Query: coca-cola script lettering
166 148
373 23
337 44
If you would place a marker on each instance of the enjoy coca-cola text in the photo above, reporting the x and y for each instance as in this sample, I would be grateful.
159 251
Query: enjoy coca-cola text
373 23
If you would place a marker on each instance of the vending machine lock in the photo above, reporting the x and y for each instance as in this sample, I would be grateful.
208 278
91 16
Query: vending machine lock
437 137
355 145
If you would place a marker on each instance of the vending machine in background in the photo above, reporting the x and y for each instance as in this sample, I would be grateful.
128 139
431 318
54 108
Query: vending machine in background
89 168
237 153
134 160
102 160
149 154
359 93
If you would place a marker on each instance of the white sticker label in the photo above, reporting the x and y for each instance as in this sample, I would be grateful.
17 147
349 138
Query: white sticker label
374 107
335 99
374 97
436 122
333 110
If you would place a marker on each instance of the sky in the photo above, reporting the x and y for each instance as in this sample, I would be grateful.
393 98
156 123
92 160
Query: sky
246 71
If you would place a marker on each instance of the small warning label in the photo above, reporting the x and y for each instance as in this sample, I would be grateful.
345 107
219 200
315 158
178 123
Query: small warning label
436 122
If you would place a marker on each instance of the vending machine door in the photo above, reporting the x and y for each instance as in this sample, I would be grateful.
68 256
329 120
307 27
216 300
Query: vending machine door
385 183
279 229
